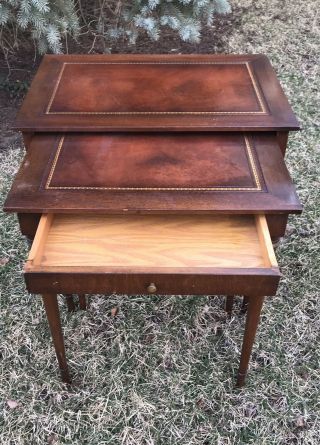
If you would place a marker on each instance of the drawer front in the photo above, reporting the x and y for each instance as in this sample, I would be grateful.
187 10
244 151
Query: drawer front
243 283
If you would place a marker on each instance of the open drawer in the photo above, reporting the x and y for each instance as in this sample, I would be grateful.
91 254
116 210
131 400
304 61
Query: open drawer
171 254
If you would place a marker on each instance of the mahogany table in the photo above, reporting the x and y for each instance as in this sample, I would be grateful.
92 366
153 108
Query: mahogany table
154 174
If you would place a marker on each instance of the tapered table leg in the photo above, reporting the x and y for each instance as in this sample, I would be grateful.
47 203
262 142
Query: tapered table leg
52 310
253 316
229 305
82 302
70 303
244 305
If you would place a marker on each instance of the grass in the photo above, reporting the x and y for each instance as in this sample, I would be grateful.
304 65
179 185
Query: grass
161 371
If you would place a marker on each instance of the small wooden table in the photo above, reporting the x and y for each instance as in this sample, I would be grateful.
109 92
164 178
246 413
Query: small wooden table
154 174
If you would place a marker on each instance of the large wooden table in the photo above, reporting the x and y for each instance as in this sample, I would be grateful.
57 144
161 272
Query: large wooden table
154 174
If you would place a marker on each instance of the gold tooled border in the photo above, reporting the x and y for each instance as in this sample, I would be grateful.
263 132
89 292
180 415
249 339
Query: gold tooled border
261 102
251 161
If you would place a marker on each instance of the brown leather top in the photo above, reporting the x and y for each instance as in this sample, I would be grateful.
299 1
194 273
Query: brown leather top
125 161
153 172
155 92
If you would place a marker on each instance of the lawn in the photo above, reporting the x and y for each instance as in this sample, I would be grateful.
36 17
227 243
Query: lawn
161 371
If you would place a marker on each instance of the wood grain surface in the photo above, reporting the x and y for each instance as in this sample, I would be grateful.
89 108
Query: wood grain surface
153 173
155 162
152 241
130 92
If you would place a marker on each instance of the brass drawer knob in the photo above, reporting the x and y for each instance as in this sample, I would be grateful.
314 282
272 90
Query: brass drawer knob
152 288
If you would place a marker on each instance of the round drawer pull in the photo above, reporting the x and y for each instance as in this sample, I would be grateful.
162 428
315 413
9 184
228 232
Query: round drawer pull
152 288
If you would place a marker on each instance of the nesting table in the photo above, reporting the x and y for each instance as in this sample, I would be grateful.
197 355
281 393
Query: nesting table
154 175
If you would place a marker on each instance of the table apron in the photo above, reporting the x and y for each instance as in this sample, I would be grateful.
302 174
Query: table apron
259 282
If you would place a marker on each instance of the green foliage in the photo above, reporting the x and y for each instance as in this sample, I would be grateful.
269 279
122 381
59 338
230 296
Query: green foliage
184 16
49 22
46 21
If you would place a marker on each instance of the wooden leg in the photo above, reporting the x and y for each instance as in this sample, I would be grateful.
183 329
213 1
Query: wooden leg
244 305
282 137
82 302
27 138
52 310
254 310
277 226
229 305
70 303
28 223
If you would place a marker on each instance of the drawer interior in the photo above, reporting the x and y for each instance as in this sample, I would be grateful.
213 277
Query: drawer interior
154 242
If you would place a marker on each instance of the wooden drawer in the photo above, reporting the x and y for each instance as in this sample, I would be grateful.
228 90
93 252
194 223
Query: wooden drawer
172 254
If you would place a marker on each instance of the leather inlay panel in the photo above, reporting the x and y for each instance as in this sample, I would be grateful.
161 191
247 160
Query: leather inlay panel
156 88
155 92
189 154
155 162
